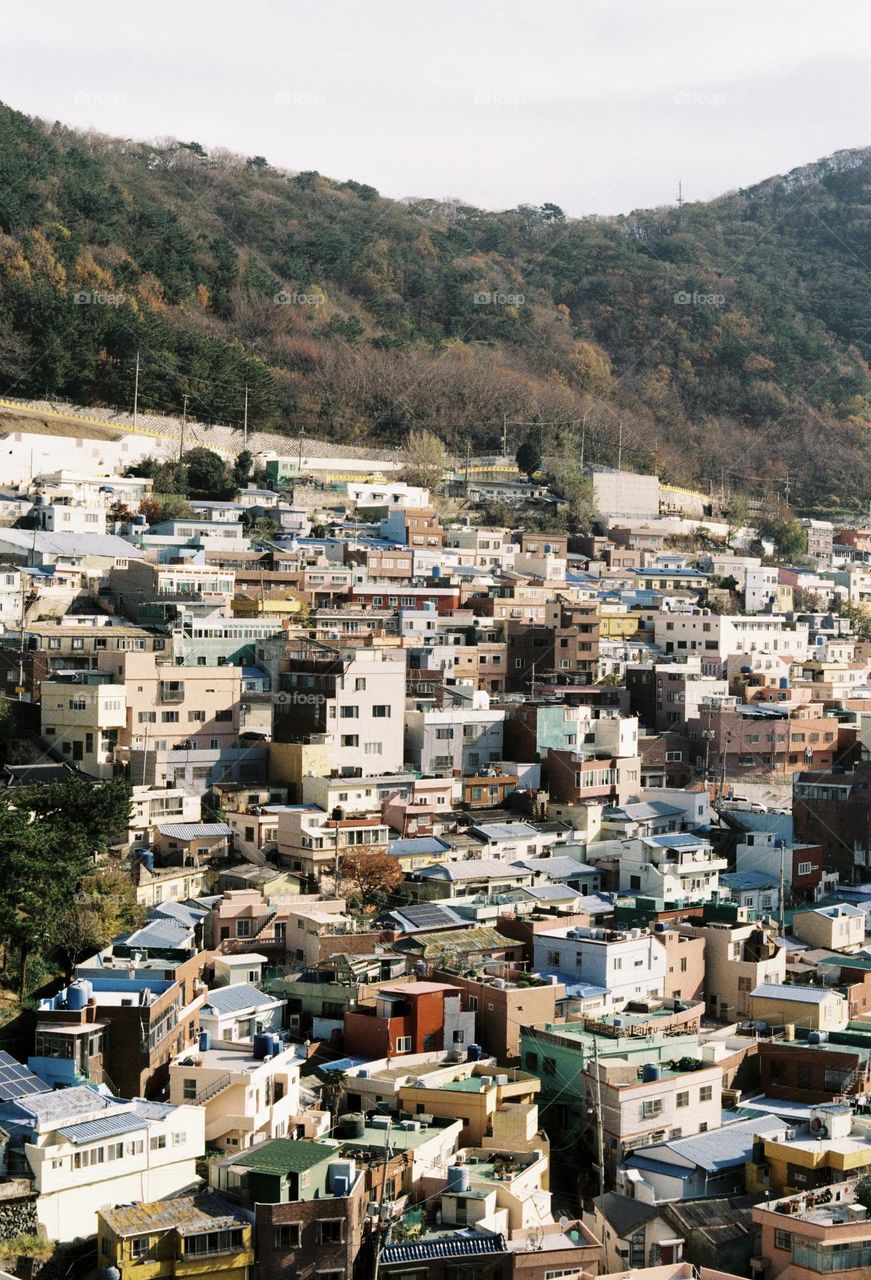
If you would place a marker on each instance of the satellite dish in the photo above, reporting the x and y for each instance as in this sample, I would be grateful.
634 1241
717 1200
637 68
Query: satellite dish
536 1238
563 1222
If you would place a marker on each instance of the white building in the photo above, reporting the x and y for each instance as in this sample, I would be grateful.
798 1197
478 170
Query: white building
64 516
624 964
85 1150
714 637
459 739
247 1097
11 599
676 867
237 1011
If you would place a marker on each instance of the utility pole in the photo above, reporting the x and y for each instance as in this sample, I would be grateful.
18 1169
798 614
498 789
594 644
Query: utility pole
245 422
600 1129
338 815
583 440
620 448
786 490
136 392
184 419
782 890
505 435
468 465
679 196
379 1221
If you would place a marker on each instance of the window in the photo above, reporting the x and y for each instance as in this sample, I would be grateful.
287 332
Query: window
444 734
331 1230
403 1044
682 1100
189 1089
360 684
226 1241
158 1143
349 713
706 1093
243 928
147 717
651 1107
288 1235
548 1066
350 740
804 868
782 1239
225 715
169 717
138 1247
196 717
381 711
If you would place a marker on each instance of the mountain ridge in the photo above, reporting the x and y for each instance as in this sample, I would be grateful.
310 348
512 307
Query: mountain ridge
727 342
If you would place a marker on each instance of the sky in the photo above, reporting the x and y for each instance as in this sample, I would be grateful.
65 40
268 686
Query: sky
600 106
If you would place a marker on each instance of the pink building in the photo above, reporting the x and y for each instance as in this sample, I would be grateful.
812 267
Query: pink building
169 705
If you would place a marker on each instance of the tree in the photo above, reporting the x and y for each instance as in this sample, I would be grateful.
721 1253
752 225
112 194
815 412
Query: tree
426 459
373 873
862 1190
164 506
208 475
242 468
105 906
785 532
333 1091
48 838
529 455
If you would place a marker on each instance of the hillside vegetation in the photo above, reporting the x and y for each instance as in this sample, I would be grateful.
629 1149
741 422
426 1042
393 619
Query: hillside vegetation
731 339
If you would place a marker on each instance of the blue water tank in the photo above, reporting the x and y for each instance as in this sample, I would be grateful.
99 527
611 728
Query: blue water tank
276 1045
818 1037
205 1041
79 993
473 1053
651 1071
436 571
146 857
458 1177
262 1045
784 682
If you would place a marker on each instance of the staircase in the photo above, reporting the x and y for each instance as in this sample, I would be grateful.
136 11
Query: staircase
212 1090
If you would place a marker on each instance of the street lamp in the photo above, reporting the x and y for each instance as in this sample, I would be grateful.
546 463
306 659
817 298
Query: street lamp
337 815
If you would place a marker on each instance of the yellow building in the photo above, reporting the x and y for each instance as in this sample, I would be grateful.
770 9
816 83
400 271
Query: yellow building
819 1008
272 607
833 1147
475 1100
196 1236
617 624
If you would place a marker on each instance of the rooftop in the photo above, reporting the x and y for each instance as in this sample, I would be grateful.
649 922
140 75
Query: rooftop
189 1215
286 1155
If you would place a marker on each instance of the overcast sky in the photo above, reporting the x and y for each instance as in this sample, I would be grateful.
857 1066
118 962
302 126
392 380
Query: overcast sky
601 106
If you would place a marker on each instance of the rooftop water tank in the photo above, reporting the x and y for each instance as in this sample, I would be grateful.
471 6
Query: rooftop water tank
473 1053
352 1125
205 1041
458 1178
262 1045
651 1071
78 994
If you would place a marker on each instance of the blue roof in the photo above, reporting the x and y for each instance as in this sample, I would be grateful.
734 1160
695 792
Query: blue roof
160 935
417 844
105 1127
235 998
723 1148
747 880
676 840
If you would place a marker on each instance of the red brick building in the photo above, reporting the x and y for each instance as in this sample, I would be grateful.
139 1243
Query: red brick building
420 1017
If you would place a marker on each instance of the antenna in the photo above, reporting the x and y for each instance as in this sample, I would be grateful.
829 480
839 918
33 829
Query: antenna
679 195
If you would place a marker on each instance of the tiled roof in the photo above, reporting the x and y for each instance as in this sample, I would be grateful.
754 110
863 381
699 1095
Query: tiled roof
286 1155
623 1214
235 998
462 1244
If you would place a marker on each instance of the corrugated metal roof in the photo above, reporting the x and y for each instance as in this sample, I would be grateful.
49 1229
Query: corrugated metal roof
717 1149
235 998
192 830
186 1214
795 992
106 1127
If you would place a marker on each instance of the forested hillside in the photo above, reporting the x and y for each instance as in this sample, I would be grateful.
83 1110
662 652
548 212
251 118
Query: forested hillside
731 338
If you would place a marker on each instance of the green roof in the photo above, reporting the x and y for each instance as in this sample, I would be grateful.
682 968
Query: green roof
848 962
286 1155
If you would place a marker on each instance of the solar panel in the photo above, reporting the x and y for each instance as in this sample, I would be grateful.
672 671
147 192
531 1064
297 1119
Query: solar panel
16 1080
424 914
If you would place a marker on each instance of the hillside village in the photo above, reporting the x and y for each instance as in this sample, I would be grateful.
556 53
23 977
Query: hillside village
496 883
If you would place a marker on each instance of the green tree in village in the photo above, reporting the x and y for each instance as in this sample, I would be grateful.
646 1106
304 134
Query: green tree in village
49 836
208 476
529 456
